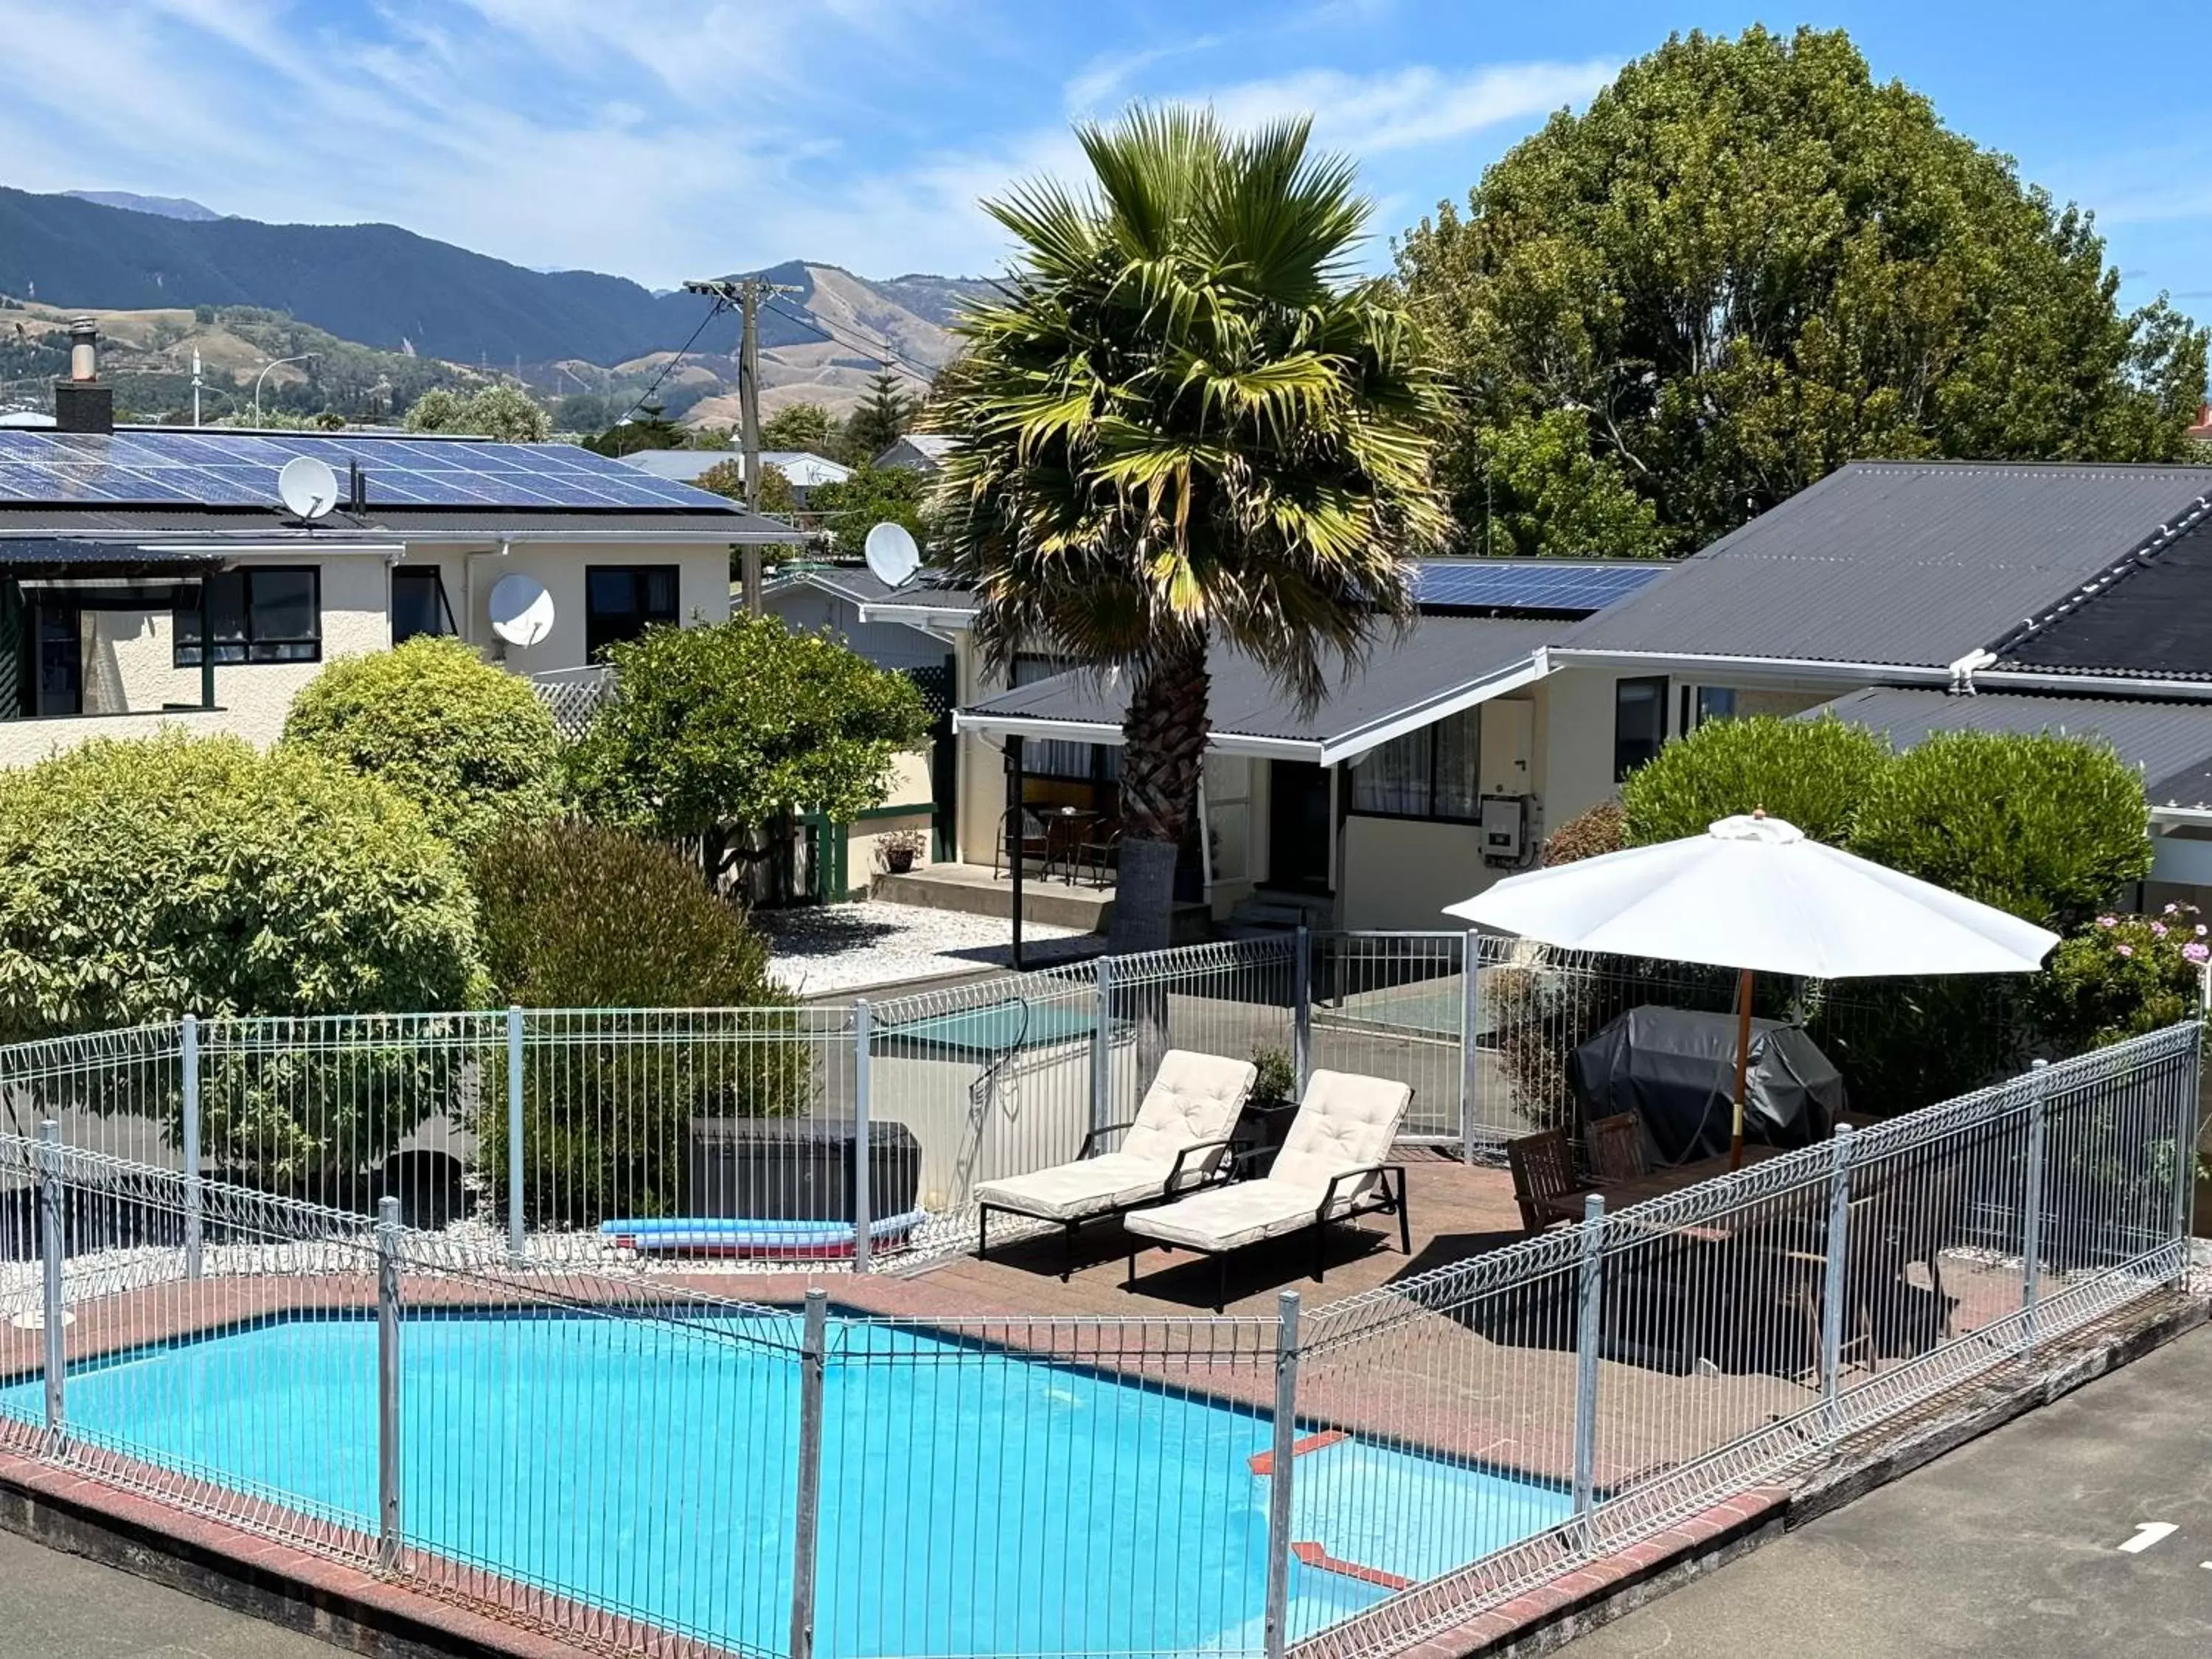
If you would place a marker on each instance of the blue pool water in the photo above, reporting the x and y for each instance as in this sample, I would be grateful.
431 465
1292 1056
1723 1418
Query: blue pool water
973 1501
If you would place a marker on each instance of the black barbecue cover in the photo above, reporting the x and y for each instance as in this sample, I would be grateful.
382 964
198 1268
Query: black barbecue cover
1676 1071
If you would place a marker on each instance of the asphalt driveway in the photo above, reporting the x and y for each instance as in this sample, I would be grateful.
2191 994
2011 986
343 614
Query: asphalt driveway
2082 1529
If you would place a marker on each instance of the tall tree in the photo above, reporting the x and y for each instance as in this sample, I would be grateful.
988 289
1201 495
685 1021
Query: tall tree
881 421
1181 421
1748 263
810 427
502 412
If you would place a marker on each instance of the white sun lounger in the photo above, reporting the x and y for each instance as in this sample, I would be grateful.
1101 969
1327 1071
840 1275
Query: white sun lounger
1179 1140
1332 1166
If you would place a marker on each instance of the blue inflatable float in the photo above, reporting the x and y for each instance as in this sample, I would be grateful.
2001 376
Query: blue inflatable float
738 1236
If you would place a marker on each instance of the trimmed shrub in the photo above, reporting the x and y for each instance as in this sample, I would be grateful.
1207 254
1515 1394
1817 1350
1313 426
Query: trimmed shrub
2049 828
146 879
715 729
1603 828
1811 773
468 743
2122 976
579 916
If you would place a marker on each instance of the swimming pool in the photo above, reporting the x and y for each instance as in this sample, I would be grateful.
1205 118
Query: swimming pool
974 1501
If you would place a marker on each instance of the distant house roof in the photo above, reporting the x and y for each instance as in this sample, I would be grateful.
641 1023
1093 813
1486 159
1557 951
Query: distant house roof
801 468
2165 739
1900 564
29 555
856 582
1442 666
925 451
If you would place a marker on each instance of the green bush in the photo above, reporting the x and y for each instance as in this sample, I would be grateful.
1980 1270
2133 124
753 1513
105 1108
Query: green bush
1811 773
577 916
722 728
150 878
2122 976
468 743
1590 834
2049 828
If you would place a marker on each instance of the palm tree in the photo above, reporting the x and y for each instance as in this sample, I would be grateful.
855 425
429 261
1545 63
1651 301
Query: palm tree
1182 421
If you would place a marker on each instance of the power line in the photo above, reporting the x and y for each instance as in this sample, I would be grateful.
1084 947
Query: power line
875 353
646 397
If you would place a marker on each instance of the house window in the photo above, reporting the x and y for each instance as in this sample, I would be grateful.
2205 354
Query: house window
1715 702
1052 758
1428 774
265 613
418 604
620 601
1639 723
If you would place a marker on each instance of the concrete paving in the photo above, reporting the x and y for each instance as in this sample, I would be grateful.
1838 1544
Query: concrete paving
62 1607
2015 1547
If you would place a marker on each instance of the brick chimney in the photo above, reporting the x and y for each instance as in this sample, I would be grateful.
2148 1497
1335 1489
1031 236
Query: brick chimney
81 403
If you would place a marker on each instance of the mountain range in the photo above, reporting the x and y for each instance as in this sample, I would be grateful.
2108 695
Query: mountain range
389 288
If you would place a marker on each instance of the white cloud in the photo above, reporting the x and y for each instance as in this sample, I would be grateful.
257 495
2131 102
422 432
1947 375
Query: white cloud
1409 108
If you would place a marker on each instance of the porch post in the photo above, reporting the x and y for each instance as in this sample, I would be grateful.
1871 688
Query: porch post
207 642
1013 835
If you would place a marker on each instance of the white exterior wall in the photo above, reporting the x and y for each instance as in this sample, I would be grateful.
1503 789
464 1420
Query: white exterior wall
130 670
1400 872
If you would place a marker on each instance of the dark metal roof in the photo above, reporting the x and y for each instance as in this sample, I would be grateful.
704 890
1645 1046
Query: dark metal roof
928 590
2151 615
25 555
1903 563
1442 656
2163 739
2188 786
490 523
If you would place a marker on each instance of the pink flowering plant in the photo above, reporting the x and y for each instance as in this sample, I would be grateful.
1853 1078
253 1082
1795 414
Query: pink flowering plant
2123 976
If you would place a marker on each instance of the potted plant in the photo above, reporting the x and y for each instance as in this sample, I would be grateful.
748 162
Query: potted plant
899 848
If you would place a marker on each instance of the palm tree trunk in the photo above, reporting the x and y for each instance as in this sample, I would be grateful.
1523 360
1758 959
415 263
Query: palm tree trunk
1163 738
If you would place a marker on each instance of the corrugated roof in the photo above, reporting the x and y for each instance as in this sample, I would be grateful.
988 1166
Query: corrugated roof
2151 615
23 554
2163 739
1905 562
1440 657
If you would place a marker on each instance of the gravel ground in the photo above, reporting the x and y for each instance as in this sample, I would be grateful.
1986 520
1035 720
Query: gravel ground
850 947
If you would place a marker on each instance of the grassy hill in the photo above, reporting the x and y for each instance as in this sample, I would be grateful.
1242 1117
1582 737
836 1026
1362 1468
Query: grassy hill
391 291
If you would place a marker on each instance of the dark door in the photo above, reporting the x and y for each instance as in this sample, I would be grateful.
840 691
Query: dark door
1298 827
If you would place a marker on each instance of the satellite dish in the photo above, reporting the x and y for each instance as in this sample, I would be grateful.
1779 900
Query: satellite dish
891 554
307 487
521 609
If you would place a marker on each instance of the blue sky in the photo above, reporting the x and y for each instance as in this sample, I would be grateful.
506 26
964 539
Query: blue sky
666 139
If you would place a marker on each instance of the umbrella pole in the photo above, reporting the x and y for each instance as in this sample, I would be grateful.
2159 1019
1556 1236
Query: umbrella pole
1742 1064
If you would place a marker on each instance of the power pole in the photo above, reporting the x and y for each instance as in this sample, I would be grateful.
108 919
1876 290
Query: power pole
746 292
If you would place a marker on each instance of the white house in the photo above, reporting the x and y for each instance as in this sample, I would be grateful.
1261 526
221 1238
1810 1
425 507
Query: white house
149 575
1910 596
802 470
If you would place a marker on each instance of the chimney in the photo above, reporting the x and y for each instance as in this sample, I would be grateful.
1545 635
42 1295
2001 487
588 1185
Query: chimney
81 403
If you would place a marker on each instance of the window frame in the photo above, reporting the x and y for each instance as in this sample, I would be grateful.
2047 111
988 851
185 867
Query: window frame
1104 773
188 652
1432 732
594 643
1659 686
437 578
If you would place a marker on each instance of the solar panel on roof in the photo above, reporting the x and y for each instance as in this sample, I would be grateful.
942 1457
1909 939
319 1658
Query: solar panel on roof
165 469
1511 585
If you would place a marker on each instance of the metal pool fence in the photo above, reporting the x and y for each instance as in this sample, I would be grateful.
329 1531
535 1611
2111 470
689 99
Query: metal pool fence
655 1467
628 1135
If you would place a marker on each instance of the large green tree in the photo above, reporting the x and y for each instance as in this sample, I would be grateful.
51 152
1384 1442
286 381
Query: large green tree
502 412
1747 263
1183 419
810 427
881 421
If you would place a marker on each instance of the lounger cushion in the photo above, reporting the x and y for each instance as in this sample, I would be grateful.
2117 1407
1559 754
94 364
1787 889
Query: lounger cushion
1088 1187
1344 1122
1194 1098
1227 1217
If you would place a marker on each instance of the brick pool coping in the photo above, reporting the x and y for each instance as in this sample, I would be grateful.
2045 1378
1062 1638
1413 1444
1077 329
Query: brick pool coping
296 1587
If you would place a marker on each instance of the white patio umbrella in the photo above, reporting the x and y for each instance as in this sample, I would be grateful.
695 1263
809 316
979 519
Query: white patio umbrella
1754 894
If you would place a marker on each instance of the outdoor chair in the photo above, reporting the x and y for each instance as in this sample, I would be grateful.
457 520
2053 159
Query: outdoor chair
1616 1147
1179 1140
1033 843
1544 1183
1099 853
1331 1167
